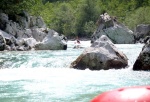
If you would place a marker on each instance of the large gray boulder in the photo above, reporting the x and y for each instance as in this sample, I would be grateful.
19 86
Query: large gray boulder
25 44
39 33
118 33
141 32
101 55
52 41
143 60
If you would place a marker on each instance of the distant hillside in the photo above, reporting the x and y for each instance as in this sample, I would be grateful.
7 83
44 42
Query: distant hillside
78 17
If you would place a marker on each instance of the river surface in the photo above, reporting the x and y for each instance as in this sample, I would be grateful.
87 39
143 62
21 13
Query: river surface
45 76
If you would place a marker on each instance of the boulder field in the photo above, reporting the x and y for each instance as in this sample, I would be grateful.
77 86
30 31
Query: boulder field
22 32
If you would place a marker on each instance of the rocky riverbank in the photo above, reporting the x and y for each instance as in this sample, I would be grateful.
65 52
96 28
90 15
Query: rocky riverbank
23 32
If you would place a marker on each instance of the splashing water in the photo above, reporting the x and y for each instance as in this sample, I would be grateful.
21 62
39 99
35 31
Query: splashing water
45 76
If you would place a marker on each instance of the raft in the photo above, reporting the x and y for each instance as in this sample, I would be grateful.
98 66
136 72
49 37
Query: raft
126 94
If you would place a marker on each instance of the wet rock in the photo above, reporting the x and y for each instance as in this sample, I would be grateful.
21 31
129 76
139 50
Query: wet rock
143 60
101 55
52 41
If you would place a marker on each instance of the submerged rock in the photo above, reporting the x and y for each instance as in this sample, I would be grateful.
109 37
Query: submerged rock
143 60
117 32
101 55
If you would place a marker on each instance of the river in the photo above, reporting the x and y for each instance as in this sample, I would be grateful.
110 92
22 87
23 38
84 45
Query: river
45 76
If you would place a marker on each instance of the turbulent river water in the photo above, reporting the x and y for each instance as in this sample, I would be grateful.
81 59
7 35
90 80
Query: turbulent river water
45 76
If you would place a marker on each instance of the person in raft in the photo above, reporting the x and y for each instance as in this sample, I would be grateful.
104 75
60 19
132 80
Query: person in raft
77 43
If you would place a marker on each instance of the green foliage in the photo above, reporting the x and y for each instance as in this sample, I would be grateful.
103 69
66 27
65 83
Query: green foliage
37 8
63 19
78 17
89 27
15 6
86 12
140 16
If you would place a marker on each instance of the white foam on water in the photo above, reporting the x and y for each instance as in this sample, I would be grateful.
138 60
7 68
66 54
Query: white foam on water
45 76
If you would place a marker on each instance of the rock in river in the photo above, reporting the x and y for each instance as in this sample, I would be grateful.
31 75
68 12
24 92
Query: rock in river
101 55
143 60
117 32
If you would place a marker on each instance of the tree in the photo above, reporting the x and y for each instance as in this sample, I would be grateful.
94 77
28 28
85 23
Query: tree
63 19
86 12
89 28
38 8
16 6
140 16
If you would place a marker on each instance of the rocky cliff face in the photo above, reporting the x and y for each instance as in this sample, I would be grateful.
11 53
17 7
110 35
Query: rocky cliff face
25 32
109 26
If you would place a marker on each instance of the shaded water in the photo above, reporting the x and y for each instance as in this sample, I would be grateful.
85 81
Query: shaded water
45 76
